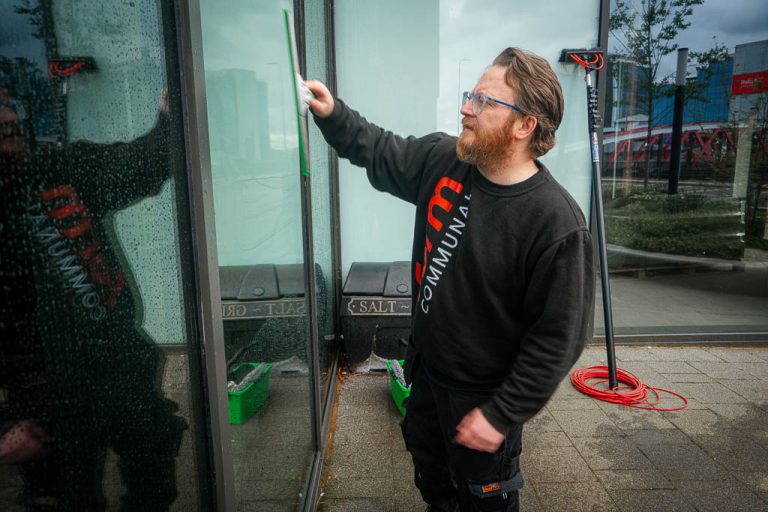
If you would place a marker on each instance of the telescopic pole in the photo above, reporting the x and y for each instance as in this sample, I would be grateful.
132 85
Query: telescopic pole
594 124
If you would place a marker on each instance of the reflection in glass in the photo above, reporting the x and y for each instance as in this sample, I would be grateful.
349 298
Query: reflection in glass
90 413
257 199
691 256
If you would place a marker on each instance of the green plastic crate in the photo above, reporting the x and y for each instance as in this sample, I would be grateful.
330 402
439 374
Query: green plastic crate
243 404
399 392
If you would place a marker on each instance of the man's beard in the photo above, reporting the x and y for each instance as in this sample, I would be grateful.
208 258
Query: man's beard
489 150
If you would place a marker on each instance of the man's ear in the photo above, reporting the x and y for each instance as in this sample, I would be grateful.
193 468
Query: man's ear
524 127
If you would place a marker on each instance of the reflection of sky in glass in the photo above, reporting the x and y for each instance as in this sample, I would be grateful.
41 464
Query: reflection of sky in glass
473 33
255 41
252 132
16 35
729 23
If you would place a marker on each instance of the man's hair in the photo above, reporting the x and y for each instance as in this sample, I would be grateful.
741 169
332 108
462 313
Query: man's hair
538 94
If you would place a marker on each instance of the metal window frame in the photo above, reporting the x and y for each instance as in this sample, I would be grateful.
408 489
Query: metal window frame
208 297
321 410
333 190
311 489
324 416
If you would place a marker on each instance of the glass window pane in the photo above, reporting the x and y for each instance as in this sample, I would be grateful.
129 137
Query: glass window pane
97 400
257 199
688 245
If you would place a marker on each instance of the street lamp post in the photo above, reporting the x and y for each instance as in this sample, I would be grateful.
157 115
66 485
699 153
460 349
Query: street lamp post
677 121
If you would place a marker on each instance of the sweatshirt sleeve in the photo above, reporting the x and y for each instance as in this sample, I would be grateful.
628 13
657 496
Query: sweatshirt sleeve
116 175
559 305
394 164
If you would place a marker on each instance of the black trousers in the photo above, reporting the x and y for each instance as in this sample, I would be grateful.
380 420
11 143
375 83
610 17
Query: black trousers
449 476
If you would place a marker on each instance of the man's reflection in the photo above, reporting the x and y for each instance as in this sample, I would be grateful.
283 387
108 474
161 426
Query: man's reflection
78 376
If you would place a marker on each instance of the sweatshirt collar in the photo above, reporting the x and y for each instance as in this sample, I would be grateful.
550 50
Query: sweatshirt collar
516 189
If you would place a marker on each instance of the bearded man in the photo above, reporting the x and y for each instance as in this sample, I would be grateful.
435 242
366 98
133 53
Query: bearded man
502 261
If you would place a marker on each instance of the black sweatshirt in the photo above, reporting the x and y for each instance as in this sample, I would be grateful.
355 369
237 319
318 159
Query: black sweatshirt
504 274
68 323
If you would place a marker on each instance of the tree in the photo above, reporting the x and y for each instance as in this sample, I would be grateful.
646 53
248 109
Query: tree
645 35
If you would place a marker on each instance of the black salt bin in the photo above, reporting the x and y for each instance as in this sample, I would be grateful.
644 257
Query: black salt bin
376 313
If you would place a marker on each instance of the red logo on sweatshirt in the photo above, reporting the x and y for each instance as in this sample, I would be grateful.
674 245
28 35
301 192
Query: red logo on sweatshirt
447 236
67 208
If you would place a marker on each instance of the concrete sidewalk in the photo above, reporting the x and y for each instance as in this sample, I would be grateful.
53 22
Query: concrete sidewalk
580 454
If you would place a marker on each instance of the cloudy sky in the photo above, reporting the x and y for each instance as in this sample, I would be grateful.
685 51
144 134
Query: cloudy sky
15 40
728 22
732 21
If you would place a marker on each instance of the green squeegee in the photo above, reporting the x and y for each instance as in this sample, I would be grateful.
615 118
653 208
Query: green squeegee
301 95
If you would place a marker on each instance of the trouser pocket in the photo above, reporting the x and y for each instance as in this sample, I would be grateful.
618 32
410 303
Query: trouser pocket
496 496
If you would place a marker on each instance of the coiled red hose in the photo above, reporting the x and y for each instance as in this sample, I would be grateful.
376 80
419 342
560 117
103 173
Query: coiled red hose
633 394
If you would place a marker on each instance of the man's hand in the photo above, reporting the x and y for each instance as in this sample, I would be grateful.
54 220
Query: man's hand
22 443
165 105
322 105
476 433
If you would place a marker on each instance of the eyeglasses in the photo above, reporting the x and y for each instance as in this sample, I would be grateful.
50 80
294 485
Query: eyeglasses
479 101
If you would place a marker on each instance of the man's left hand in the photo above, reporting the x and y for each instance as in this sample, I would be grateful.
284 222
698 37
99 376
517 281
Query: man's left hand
165 105
476 433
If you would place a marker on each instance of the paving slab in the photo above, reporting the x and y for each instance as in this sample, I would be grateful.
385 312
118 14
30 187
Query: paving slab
655 500
684 462
696 421
365 460
674 378
533 439
611 453
757 481
734 453
555 464
266 506
544 422
631 418
722 370
736 355
574 497
673 367
529 502
756 369
572 404
658 437
583 454
683 354
357 505
710 392
749 389
761 436
634 354
633 479
721 496
380 487
742 416
587 423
